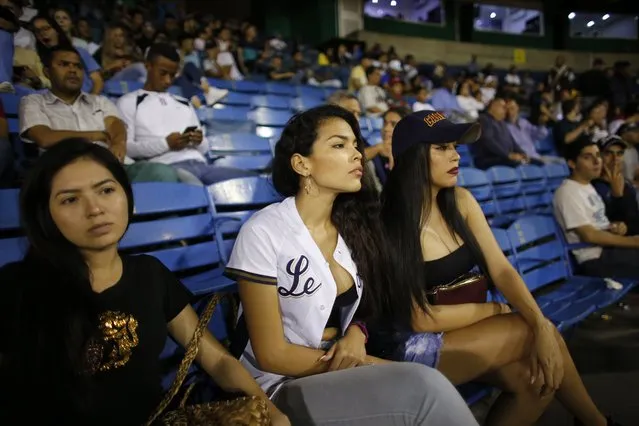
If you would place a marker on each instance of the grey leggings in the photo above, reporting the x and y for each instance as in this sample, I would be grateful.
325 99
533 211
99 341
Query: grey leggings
398 394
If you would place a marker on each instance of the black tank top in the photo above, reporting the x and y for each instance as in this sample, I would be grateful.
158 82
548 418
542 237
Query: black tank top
448 268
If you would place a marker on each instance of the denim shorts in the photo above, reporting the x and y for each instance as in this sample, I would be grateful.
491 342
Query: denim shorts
423 348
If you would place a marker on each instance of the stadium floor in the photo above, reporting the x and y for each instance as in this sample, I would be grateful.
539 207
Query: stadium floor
606 352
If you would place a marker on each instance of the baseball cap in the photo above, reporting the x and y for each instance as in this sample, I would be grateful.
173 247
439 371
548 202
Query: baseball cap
395 65
431 127
609 141
628 127
573 150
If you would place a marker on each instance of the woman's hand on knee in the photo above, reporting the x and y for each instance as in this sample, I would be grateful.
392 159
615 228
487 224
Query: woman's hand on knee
347 352
547 356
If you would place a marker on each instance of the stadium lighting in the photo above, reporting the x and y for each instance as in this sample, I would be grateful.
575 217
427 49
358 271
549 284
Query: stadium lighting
393 3
606 16
375 1
572 15
590 24
493 15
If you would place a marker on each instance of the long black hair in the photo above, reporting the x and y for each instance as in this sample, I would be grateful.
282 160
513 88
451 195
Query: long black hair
406 205
355 215
52 314
63 41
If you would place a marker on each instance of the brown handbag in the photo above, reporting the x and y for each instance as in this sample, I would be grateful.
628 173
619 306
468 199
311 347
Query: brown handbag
244 411
469 288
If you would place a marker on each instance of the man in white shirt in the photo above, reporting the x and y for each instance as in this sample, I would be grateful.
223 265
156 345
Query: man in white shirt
164 128
67 112
372 96
581 213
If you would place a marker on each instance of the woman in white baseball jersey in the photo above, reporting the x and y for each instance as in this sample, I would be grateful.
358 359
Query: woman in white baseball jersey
297 266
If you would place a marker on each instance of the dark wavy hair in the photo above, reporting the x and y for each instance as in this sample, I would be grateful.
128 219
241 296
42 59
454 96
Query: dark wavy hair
64 43
355 215
406 205
53 316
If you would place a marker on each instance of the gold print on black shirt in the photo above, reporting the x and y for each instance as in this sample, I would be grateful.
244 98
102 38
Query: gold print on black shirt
119 337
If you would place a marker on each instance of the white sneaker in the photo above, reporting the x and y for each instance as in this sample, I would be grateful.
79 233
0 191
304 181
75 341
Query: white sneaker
6 87
612 284
214 95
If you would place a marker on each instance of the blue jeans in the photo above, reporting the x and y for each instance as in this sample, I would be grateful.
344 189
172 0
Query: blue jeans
209 173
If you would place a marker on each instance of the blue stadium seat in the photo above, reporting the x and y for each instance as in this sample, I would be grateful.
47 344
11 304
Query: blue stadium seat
176 90
235 201
466 158
505 181
267 119
10 104
303 103
121 87
546 146
245 86
311 92
226 120
174 222
237 99
223 84
271 101
555 174
533 179
257 163
540 256
238 143
477 183
14 126
10 210
281 89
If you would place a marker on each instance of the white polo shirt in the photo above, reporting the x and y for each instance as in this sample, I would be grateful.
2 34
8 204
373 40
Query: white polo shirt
575 205
274 247
150 117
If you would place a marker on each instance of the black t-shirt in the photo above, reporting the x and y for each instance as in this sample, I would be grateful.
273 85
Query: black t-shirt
126 383
562 128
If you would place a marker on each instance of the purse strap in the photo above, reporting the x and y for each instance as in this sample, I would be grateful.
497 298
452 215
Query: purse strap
191 352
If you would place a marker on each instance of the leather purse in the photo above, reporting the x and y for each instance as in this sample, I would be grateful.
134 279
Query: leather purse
243 411
469 288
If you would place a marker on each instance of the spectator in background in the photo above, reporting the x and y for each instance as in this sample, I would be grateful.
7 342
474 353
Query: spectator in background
410 69
629 114
164 128
444 99
225 58
249 49
467 102
543 106
489 70
496 146
581 214
621 83
593 84
147 35
171 27
278 72
489 89
394 72
527 85
571 128
618 194
629 132
473 67
84 35
396 94
358 79
9 25
326 57
526 134
63 18
50 35
560 76
421 101
372 96
6 152
119 57
343 57
512 77
439 74
65 111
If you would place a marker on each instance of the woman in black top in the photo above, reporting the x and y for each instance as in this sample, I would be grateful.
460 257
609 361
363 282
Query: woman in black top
439 234
82 327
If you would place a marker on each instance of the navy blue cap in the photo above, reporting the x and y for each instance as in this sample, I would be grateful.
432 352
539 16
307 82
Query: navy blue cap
608 141
627 127
431 127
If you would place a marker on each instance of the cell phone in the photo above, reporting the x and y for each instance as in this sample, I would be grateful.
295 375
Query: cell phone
190 129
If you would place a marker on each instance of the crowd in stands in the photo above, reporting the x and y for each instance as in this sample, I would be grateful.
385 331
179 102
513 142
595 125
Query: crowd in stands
327 243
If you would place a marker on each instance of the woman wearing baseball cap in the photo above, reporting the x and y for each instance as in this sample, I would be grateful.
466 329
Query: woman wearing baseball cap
438 233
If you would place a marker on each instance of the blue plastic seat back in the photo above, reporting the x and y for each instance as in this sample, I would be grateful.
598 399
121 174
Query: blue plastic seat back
556 173
505 181
257 163
235 143
271 101
303 103
281 89
546 146
121 87
237 99
234 113
270 117
222 84
466 158
9 209
311 92
245 86
176 90
12 249
533 202
540 254
476 182
511 205
239 199
533 179
10 104
14 126
174 223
